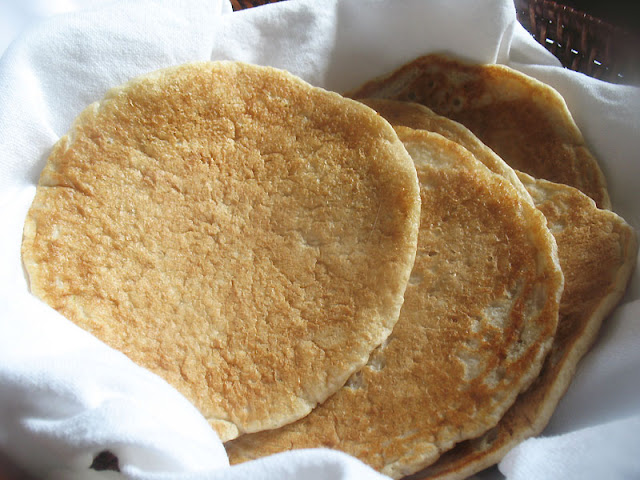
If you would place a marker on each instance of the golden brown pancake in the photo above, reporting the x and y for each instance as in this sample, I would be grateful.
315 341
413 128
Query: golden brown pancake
242 234
479 316
416 116
597 251
526 122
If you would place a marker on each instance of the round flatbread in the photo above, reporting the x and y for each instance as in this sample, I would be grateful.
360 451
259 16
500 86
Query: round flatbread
416 116
479 316
597 251
235 230
526 122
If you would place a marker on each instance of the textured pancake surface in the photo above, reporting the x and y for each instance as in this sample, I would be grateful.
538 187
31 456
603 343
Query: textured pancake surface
597 251
242 234
525 121
416 116
479 316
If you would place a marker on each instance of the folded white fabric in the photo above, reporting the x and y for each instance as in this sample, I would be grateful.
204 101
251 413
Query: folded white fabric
607 450
65 397
594 431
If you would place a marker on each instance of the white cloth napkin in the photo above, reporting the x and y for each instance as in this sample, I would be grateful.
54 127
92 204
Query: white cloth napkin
64 396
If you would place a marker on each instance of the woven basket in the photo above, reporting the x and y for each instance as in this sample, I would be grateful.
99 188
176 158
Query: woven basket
581 42
242 4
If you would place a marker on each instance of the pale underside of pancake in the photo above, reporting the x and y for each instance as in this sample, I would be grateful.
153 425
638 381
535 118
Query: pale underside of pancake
479 315
526 122
597 251
240 233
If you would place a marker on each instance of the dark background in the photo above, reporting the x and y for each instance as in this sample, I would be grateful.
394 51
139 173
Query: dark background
623 13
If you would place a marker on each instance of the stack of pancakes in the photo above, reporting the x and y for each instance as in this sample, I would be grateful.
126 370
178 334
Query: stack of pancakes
409 275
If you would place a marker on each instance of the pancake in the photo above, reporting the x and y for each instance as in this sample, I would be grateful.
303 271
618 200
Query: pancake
526 122
416 116
479 316
597 251
242 234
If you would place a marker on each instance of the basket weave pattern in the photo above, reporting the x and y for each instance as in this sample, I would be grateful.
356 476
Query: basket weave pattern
242 4
581 42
